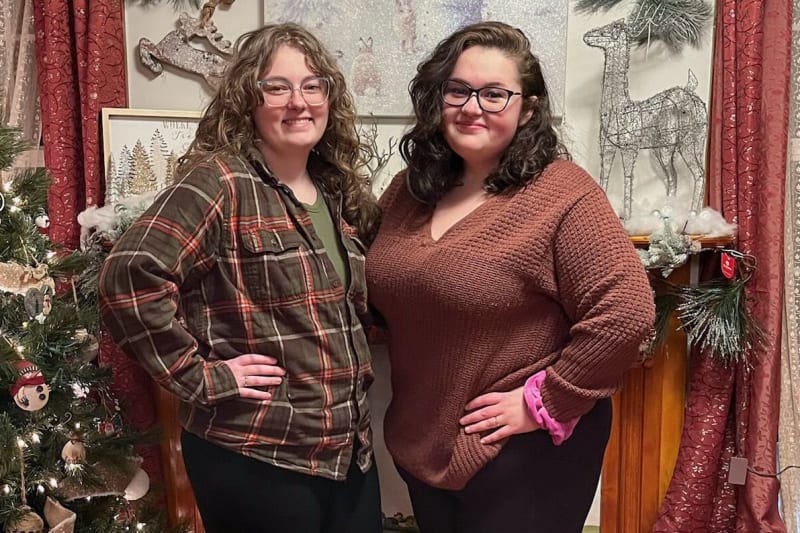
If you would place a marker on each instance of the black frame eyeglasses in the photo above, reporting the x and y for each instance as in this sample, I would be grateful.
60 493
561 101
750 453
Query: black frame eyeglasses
278 92
490 99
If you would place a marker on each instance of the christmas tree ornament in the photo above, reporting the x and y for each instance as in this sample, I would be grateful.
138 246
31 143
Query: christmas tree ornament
73 452
91 347
125 515
42 221
17 279
30 392
112 480
106 427
138 486
29 522
59 518
33 302
47 304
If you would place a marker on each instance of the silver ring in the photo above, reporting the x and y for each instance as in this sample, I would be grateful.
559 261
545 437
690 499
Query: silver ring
494 421
245 381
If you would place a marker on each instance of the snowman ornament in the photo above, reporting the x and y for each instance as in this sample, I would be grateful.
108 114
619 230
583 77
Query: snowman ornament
30 391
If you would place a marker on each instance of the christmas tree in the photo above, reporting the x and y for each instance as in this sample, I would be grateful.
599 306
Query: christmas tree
67 456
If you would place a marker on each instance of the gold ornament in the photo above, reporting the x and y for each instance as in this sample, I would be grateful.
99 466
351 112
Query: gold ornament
73 452
29 522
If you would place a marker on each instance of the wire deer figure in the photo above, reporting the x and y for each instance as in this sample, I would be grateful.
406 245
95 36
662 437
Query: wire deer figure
672 122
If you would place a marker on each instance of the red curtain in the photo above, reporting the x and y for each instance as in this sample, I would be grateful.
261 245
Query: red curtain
80 54
733 411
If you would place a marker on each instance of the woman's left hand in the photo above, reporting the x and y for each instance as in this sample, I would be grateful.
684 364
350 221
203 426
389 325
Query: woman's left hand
505 412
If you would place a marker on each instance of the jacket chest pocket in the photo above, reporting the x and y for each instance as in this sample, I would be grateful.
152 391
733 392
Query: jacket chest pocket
275 266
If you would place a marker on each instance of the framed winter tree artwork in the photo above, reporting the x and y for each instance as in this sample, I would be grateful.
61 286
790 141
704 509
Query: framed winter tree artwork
379 44
141 148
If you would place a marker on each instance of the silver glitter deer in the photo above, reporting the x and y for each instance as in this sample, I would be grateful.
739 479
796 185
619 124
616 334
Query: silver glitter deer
175 49
672 122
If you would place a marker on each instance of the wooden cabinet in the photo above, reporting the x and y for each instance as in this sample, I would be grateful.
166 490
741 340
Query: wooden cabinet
180 498
646 429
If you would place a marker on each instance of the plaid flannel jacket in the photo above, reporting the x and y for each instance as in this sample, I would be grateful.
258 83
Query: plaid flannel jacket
226 262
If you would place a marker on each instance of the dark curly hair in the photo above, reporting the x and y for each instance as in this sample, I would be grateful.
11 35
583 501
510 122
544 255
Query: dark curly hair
339 159
433 167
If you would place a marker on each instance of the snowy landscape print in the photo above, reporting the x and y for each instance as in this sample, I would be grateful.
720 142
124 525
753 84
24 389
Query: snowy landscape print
142 149
379 44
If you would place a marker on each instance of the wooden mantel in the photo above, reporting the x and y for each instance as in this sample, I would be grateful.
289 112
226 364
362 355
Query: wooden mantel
647 425
645 435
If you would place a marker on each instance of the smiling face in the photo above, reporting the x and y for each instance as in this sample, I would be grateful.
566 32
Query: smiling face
295 128
480 138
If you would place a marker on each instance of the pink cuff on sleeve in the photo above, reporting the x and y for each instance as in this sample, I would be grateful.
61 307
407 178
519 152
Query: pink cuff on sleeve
559 431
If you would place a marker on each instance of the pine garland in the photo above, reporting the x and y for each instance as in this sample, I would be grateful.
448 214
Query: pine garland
595 6
715 316
666 304
676 23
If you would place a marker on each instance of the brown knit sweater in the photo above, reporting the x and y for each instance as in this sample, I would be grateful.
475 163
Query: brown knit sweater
542 279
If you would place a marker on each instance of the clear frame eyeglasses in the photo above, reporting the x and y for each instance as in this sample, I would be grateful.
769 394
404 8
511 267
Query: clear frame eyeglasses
278 91
490 99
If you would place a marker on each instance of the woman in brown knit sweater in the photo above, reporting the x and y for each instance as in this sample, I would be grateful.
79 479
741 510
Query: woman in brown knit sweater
513 296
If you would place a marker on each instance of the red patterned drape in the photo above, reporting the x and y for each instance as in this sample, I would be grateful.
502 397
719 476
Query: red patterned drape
734 411
80 54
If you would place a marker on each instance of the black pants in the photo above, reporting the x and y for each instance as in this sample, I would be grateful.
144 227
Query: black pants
238 494
532 486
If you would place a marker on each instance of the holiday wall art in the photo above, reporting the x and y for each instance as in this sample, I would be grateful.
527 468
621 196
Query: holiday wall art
638 93
379 44
141 149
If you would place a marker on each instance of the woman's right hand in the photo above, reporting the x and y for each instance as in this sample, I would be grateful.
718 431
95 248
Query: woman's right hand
253 372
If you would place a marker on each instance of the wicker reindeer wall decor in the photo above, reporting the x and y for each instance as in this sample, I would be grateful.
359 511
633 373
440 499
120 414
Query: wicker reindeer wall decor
671 123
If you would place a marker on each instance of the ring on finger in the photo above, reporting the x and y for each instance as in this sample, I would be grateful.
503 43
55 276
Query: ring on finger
245 381
495 423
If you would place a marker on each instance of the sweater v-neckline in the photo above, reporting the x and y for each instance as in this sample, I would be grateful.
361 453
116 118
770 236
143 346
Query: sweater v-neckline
428 226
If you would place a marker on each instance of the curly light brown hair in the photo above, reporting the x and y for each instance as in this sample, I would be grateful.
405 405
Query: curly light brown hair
433 167
338 161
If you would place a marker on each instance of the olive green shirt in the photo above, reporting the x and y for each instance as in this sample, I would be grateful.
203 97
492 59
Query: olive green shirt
326 231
